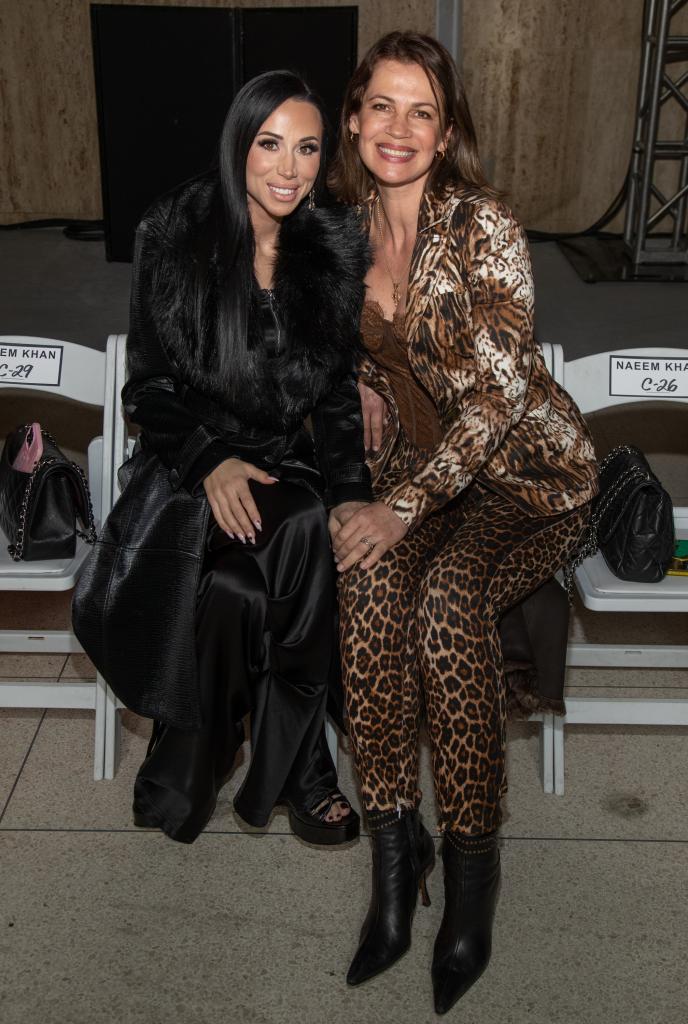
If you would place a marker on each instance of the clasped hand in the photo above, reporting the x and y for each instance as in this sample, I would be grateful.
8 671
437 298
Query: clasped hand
231 500
361 533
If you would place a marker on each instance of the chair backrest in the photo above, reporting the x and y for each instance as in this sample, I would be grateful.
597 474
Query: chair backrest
608 379
58 367
116 348
548 354
618 378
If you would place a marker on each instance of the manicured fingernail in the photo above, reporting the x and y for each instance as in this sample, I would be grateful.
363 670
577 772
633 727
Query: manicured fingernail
241 538
229 534
275 479
257 524
252 538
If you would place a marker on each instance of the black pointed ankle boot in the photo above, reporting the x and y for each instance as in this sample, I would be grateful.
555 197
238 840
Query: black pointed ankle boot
403 855
464 941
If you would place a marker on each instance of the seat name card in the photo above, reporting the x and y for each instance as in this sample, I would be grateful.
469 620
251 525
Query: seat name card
37 365
636 376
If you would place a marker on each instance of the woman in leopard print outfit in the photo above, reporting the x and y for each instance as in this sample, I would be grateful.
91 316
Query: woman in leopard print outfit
482 479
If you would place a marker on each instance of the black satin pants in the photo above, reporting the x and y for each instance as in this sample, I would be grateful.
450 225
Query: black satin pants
265 640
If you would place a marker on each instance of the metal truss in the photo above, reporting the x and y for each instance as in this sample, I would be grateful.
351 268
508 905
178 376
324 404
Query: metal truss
647 205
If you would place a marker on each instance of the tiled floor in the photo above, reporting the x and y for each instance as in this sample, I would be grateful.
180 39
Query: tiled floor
102 922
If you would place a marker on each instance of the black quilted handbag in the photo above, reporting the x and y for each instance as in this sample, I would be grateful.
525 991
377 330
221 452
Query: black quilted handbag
38 510
632 520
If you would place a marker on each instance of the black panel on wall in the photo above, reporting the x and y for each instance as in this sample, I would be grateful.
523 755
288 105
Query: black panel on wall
165 77
164 80
318 43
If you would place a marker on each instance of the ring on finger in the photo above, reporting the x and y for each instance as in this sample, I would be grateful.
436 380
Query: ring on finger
370 544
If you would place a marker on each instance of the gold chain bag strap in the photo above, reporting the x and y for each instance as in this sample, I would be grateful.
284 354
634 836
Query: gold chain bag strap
39 509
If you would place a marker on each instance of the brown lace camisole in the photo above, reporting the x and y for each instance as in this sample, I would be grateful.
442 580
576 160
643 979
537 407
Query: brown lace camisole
385 342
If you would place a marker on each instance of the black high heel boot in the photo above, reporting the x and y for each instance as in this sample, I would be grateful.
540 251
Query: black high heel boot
403 855
464 941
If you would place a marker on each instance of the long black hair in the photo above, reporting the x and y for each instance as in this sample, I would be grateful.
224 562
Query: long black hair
226 250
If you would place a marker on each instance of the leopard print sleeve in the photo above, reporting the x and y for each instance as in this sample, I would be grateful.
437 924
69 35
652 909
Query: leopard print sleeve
491 392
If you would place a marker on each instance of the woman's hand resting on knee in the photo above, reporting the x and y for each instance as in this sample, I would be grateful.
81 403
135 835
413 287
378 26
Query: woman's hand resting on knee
366 535
231 500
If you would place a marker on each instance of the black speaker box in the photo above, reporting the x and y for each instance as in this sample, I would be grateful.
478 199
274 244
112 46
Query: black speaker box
165 77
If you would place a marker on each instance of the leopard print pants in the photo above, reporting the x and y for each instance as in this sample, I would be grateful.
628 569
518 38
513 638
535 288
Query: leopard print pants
420 628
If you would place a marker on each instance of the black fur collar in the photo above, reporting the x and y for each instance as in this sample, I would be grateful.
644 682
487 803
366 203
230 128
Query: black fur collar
322 259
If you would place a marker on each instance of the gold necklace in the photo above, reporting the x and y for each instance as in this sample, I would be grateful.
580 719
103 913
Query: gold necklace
395 284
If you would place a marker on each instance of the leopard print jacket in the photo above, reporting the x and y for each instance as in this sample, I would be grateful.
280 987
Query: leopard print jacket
469 329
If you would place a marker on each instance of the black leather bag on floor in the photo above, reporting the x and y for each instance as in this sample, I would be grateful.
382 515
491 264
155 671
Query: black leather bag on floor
39 509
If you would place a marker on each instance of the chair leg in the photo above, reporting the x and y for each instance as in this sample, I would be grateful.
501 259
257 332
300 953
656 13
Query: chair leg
547 753
112 736
100 728
331 736
559 756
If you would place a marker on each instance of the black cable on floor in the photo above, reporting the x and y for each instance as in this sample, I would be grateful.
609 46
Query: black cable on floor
609 214
78 230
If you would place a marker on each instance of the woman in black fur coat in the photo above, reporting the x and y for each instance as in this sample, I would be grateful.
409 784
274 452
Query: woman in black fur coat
245 306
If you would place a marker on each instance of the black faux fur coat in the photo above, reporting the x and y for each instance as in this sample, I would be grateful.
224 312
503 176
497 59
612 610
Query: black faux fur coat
174 390
133 607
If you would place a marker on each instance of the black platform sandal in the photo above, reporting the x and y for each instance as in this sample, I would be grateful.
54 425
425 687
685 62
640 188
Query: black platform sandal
312 826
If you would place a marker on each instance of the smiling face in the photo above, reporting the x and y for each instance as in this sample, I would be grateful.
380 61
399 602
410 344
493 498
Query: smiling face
399 124
284 160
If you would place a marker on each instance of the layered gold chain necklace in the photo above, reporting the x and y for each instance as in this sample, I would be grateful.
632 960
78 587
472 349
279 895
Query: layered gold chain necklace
396 285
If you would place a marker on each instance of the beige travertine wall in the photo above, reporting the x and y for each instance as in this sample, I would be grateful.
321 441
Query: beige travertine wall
552 86
48 128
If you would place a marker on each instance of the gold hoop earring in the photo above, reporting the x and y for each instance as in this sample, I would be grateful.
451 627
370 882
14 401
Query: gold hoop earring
311 200
439 155
352 136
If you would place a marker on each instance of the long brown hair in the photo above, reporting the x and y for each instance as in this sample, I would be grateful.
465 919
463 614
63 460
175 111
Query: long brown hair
350 180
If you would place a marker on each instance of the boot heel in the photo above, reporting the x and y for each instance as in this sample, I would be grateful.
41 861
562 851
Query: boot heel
423 886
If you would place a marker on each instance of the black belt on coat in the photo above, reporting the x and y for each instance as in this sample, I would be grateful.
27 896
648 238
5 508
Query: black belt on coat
213 414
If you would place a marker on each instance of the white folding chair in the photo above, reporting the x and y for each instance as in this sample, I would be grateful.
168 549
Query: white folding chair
84 375
597 382
122 446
